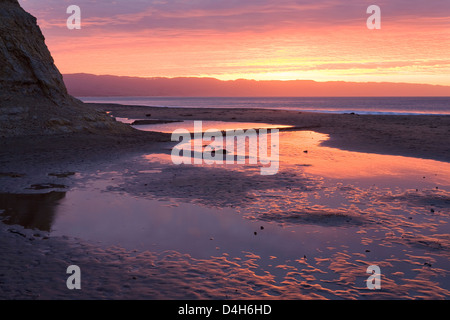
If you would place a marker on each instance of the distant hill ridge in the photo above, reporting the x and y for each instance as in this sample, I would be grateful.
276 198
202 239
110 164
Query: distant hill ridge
82 84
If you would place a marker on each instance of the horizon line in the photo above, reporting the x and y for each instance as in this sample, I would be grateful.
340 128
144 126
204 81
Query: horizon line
249 79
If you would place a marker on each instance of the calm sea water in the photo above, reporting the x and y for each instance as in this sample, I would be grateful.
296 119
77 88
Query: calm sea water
362 105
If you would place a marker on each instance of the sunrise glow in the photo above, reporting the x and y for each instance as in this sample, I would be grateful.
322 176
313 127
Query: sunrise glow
262 40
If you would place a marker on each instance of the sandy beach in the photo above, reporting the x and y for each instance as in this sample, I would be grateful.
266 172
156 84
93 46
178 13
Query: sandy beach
33 261
261 151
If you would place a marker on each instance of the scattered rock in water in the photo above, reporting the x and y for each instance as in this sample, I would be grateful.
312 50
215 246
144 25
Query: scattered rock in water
44 186
219 151
62 174
11 175
17 232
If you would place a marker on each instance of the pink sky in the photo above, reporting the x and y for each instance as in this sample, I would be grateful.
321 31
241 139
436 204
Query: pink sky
257 39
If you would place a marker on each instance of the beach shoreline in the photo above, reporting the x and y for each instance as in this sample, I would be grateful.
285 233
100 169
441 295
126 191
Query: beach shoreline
32 260
421 136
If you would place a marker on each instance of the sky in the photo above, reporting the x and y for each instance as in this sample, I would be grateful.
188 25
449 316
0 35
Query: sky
322 40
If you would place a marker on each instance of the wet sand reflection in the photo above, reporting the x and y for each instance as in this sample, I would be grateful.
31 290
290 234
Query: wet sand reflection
32 211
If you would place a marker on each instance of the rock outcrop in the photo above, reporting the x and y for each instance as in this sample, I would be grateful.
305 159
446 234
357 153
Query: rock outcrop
33 97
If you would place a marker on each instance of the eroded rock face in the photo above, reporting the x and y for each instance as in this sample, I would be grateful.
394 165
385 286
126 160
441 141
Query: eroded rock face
33 97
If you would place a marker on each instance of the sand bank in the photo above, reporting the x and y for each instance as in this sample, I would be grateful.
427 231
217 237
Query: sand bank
421 136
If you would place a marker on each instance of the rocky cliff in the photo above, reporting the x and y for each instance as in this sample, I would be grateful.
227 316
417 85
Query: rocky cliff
33 97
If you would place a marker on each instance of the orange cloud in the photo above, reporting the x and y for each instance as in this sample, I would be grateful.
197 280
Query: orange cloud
322 40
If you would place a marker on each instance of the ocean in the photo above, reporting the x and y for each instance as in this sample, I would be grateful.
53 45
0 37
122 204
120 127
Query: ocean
360 105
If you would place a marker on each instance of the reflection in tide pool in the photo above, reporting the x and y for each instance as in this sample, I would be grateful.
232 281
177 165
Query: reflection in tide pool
352 166
206 125
32 211
310 231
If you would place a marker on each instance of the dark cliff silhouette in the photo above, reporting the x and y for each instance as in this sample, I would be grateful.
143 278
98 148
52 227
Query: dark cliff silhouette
33 97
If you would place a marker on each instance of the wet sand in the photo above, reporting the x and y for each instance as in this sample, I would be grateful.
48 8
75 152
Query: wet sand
422 136
33 262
